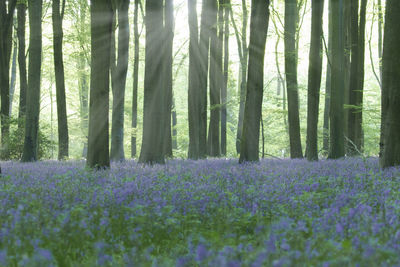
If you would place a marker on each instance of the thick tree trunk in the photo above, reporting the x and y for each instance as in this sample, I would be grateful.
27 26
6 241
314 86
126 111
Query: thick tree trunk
119 72
167 73
337 82
314 79
101 28
215 72
154 97
6 22
224 90
23 82
30 151
291 78
391 86
60 80
135 79
252 115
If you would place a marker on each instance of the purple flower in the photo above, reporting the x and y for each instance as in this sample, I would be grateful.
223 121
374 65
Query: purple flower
201 252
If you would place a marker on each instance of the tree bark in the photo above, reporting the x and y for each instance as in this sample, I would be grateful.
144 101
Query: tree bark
135 79
13 72
23 82
30 151
252 115
154 97
6 22
194 101
101 28
57 18
314 79
291 78
224 90
327 105
337 82
391 86
120 67
243 51
215 73
167 73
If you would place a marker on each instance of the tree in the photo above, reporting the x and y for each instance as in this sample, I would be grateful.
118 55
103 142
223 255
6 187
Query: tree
355 131
243 50
30 151
154 97
168 33
119 69
314 79
249 150
226 8
194 101
101 28
337 82
215 74
391 86
57 17
6 22
135 78
291 18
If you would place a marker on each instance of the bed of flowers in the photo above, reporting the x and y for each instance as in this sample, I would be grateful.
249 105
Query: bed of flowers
200 213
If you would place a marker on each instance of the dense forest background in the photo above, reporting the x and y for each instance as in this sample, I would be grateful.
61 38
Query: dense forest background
274 137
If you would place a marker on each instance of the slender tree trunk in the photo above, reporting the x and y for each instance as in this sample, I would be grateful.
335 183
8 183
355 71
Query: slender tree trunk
391 86
194 101
23 82
30 151
167 73
252 115
224 90
135 79
380 36
101 28
57 17
243 71
13 72
337 82
327 105
154 97
314 79
6 22
174 125
119 81
215 72
291 78
204 45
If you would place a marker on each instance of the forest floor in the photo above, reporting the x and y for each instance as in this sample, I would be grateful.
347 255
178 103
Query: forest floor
200 213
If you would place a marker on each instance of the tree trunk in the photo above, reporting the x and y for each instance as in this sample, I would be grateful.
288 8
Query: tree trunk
314 79
391 86
327 105
174 125
167 73
135 79
23 82
215 72
101 28
194 101
120 67
57 17
224 90
13 72
154 97
204 46
30 151
252 115
6 22
291 78
243 71
337 82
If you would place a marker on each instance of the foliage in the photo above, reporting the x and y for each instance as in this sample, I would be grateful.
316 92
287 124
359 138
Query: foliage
200 213
13 148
